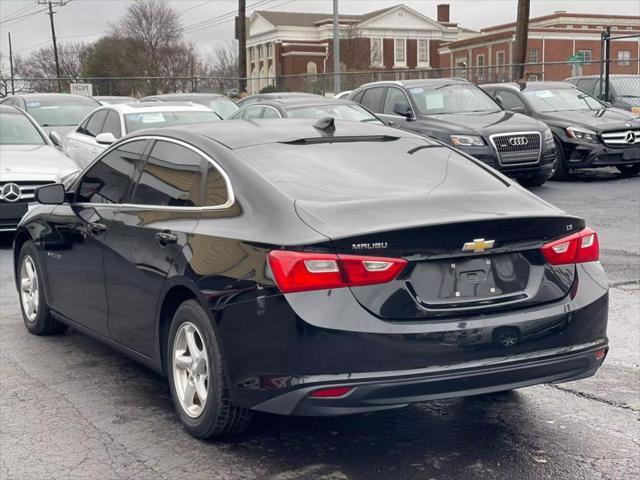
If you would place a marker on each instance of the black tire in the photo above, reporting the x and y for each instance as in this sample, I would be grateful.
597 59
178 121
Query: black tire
560 171
629 170
219 417
534 180
43 323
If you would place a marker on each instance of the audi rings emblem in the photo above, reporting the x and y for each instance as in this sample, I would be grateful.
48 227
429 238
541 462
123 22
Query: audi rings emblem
10 192
630 137
518 141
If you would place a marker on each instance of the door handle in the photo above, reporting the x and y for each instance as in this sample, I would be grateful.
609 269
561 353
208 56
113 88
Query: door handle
165 238
97 228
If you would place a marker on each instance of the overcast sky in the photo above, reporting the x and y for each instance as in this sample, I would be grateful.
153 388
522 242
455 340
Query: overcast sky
86 20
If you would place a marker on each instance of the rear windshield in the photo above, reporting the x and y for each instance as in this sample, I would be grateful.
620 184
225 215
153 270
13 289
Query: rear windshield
360 170
60 111
16 129
139 121
354 113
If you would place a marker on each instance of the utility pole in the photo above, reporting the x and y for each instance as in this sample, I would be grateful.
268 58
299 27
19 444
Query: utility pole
522 32
59 3
241 35
336 49
13 91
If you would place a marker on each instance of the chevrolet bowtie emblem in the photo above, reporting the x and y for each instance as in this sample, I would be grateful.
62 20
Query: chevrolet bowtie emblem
478 245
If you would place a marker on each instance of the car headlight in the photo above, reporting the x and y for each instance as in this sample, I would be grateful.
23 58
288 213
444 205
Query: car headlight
548 136
582 134
466 140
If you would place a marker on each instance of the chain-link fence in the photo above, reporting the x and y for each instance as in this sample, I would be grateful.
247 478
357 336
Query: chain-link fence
626 73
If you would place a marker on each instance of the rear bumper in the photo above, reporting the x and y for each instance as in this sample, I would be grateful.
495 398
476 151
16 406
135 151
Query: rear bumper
303 341
384 390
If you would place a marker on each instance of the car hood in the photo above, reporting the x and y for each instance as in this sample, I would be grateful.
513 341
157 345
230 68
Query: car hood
34 162
599 120
483 123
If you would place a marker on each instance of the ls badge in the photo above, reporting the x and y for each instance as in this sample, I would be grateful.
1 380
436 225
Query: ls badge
478 245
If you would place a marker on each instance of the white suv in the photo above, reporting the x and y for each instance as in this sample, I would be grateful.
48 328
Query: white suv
105 125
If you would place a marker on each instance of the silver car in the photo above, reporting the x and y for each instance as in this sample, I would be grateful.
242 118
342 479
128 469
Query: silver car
29 160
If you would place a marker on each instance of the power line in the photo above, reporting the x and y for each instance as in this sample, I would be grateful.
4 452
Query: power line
20 18
222 18
13 14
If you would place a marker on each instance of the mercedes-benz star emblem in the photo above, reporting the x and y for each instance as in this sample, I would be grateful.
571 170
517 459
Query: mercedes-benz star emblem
630 137
519 141
10 192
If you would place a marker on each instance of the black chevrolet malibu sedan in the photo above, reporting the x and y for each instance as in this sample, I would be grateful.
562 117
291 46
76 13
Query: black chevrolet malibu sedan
460 114
586 131
305 268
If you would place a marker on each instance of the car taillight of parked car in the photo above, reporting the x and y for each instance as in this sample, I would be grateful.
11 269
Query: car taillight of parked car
579 247
304 271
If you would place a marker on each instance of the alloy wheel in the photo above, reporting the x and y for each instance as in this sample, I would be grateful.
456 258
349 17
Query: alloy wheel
190 369
29 288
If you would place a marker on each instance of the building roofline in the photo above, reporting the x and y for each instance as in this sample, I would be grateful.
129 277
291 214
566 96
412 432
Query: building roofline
560 15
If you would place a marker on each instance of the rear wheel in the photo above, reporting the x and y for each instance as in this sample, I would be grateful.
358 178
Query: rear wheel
629 170
560 170
534 180
196 376
35 312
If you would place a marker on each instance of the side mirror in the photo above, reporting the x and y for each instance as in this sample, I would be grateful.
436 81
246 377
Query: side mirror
106 138
403 109
52 194
55 138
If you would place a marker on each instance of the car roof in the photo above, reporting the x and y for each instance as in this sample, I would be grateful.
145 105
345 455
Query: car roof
149 107
236 134
10 109
529 85
49 96
292 102
106 97
430 82
185 95
616 75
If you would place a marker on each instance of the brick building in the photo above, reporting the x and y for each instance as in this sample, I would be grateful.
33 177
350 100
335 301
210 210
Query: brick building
552 38
398 37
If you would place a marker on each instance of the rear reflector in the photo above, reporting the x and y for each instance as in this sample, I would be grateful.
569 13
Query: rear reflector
600 354
304 271
579 247
333 392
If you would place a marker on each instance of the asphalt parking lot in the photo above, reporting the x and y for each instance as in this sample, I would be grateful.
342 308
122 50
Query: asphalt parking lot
70 408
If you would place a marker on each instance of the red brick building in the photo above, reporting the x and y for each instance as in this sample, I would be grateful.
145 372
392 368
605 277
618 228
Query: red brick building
398 37
552 38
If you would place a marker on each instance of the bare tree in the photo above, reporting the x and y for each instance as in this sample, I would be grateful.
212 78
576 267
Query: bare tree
152 28
222 63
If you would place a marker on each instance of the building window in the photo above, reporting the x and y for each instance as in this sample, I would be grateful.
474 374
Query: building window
312 70
400 57
585 56
624 57
533 77
480 65
272 75
533 55
376 52
423 51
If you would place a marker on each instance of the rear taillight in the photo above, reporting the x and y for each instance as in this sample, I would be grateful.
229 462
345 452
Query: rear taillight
576 248
304 271
332 392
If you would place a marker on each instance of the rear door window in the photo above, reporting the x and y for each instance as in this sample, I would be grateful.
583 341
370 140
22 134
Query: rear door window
372 99
171 177
270 113
110 178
